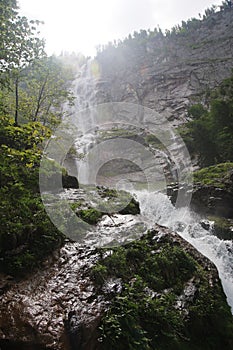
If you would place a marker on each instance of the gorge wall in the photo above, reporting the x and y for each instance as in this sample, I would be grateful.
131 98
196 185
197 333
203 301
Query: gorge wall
169 72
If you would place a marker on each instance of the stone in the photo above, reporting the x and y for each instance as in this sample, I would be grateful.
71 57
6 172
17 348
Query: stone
69 181
58 308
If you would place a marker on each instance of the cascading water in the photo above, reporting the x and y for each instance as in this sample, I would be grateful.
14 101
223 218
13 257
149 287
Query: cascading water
155 207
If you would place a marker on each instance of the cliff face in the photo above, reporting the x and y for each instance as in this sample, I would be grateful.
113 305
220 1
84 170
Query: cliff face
167 73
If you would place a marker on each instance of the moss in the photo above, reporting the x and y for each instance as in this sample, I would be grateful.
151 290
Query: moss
107 192
132 208
143 315
121 198
223 228
216 175
91 215
105 135
154 141
76 205
27 236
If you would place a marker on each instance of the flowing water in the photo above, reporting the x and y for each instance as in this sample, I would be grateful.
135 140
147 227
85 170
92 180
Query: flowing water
155 207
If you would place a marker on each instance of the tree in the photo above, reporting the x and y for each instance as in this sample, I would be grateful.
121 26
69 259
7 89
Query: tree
210 133
45 88
20 46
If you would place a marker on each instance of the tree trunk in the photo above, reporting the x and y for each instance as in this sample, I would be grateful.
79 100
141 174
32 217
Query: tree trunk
16 100
39 101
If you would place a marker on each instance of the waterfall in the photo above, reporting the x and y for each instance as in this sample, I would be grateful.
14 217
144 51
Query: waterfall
156 207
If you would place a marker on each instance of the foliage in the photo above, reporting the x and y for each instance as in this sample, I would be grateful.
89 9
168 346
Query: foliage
143 315
143 37
19 43
210 133
216 175
26 234
43 88
34 86
91 215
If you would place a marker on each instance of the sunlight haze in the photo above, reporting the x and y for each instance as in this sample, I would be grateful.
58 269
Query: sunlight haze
81 26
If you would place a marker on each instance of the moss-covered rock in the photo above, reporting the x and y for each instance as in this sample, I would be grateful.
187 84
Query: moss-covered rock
213 190
163 295
219 176
154 293
130 204
131 208
222 228
91 215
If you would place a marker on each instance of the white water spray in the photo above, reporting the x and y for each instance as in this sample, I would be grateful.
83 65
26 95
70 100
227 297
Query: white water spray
157 208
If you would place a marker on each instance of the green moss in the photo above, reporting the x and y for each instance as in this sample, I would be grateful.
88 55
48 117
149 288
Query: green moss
216 175
116 132
76 205
143 315
91 216
107 192
117 200
154 141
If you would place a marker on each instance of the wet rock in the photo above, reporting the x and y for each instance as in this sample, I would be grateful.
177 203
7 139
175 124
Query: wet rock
132 208
33 310
206 224
6 283
69 181
60 308
212 200
222 227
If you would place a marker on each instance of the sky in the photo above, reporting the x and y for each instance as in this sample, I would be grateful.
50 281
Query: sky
82 25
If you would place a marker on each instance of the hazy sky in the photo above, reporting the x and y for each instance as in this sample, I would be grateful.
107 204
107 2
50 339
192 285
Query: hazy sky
81 25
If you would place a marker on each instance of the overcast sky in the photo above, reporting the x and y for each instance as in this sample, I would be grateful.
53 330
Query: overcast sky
81 25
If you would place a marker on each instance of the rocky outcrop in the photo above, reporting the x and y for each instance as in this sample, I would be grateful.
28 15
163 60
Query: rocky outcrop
35 311
166 73
212 200
69 181
61 306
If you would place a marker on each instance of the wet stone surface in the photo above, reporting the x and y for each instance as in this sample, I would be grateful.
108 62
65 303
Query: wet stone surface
37 309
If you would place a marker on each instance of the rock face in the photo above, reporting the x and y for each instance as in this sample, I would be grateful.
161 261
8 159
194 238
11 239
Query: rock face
34 311
213 200
166 73
62 307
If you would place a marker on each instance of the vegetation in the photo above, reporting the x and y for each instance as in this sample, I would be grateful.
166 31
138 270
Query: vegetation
143 313
91 215
223 228
33 86
210 133
33 89
143 37
26 234
216 175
